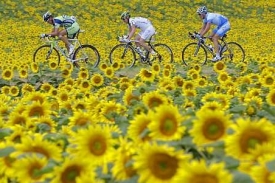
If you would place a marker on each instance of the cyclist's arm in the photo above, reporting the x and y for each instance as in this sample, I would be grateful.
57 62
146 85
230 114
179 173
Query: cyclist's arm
54 32
132 31
205 29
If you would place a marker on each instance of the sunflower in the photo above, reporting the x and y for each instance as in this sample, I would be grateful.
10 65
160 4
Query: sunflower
6 162
155 68
27 88
109 72
94 143
33 166
255 156
199 171
81 119
270 98
166 123
247 135
103 66
66 73
223 77
212 105
210 126
46 124
23 73
17 119
14 91
223 99
153 99
5 90
46 87
166 73
53 65
74 170
158 163
85 85
34 67
35 144
219 67
69 81
188 85
7 74
268 80
138 129
178 81
110 110
146 75
97 80
83 74
115 66
63 96
129 96
36 109
123 167
36 97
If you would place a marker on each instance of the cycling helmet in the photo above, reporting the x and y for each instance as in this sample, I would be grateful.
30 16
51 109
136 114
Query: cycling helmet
125 15
202 10
46 16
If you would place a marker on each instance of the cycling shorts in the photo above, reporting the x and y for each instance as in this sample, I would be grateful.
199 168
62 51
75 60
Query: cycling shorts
73 30
222 29
147 33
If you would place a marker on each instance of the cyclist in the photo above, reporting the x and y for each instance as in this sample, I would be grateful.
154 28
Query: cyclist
71 28
147 30
220 21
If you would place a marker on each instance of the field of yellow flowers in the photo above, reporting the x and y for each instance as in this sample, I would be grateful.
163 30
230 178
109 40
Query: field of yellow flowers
161 123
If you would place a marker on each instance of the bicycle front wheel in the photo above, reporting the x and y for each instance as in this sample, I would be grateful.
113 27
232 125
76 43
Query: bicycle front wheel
123 54
86 55
193 54
233 52
165 53
46 54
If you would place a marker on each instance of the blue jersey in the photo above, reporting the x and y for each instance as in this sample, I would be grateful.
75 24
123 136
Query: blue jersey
215 18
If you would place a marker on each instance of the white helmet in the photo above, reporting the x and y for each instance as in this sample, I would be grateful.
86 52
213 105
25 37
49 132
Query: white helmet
46 16
202 10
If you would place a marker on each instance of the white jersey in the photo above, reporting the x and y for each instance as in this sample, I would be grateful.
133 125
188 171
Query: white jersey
139 22
215 18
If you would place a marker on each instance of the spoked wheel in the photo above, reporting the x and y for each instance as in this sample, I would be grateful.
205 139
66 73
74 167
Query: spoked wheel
46 54
165 53
193 54
234 52
86 56
123 54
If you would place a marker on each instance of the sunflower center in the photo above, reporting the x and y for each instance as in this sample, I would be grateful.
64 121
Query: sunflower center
69 174
269 81
163 165
205 179
168 127
251 138
98 146
213 129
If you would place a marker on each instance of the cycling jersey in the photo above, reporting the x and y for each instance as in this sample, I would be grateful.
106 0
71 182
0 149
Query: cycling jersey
215 18
139 22
63 21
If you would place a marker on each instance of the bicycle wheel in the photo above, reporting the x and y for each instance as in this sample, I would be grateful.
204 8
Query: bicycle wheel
234 52
165 53
123 54
193 54
46 54
86 56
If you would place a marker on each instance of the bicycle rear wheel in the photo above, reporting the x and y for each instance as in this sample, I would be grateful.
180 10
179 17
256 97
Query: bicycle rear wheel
46 54
86 56
234 52
193 54
123 55
165 53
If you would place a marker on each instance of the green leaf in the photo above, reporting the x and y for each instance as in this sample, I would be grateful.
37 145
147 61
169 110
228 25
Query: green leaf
271 165
5 132
6 151
241 178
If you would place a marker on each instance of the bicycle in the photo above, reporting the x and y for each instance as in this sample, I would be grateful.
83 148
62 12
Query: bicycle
197 52
126 53
84 54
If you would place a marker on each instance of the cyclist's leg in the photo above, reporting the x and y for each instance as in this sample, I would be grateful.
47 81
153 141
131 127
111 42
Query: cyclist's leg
218 33
143 36
71 33
64 38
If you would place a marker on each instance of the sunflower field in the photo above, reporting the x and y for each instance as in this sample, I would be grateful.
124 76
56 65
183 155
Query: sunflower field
165 123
